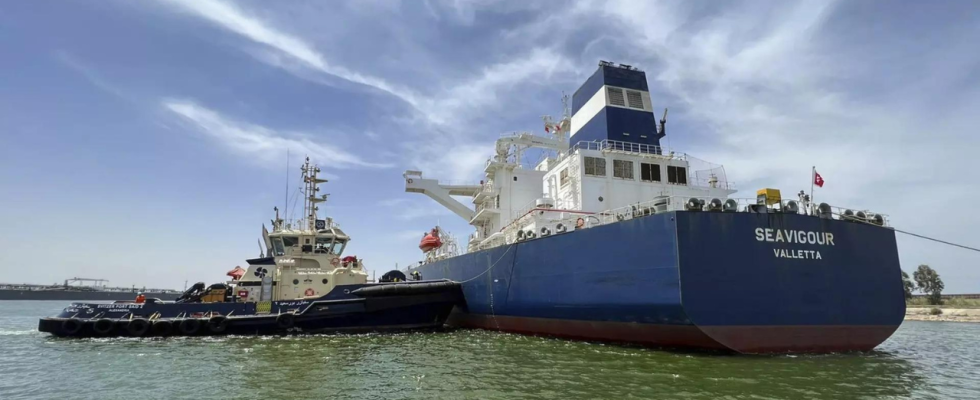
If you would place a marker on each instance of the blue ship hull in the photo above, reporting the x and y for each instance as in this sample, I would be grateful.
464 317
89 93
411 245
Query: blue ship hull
751 283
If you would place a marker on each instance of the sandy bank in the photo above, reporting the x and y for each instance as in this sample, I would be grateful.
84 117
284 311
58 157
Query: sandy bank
949 314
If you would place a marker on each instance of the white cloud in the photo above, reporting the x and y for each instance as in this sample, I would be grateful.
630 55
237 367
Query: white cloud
262 143
449 110
774 92
413 208
232 18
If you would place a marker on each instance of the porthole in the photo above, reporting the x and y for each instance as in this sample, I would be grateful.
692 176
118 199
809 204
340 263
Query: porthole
324 281
296 281
600 198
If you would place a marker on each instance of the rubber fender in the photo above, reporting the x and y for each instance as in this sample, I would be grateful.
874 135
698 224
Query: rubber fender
403 289
72 326
285 321
189 326
103 326
138 327
162 327
218 324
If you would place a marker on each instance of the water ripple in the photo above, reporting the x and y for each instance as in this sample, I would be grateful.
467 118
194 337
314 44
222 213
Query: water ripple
922 360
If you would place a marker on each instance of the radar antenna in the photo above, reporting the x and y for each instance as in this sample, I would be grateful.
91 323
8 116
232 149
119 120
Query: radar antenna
313 182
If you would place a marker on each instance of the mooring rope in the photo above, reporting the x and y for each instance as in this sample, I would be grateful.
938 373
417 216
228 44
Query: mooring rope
938 241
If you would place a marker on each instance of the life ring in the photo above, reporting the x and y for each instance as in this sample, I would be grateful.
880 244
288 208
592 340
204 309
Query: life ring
103 326
218 324
72 326
335 261
309 292
162 327
189 326
138 327
285 321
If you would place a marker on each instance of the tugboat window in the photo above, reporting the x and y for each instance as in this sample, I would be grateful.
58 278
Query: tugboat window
290 241
323 245
338 247
277 245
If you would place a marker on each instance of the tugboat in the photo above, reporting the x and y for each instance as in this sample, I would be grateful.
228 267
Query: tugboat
301 283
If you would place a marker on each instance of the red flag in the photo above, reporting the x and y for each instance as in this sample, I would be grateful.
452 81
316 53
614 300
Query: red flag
817 179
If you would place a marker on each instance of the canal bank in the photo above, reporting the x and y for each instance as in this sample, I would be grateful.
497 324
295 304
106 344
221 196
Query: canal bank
942 314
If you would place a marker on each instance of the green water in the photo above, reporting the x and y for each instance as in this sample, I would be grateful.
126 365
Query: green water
923 360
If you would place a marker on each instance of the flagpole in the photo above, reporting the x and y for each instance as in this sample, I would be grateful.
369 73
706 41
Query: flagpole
813 177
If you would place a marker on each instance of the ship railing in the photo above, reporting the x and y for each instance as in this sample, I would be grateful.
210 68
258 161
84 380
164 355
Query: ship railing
709 183
705 204
626 147
299 224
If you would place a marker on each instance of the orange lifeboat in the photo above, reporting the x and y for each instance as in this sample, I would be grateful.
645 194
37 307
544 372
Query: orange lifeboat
430 241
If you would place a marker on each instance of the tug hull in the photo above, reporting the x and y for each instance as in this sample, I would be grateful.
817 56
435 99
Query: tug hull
348 308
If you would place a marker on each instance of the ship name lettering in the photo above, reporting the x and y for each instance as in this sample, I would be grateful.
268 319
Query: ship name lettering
794 236
797 254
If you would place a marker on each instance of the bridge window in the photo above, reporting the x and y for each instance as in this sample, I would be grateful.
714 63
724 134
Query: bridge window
323 245
616 96
338 247
290 241
650 172
563 176
623 169
277 246
676 175
636 101
595 166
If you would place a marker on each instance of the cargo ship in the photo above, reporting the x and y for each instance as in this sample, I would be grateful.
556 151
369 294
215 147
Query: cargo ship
614 237
75 289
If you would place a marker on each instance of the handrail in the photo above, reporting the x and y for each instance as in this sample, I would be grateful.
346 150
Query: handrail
627 147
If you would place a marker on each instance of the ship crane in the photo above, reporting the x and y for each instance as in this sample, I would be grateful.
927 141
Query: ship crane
442 193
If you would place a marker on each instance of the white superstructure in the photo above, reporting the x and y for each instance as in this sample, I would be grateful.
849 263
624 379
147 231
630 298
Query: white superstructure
306 254
579 185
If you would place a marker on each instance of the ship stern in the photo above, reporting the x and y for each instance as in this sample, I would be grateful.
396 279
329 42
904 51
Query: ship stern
789 283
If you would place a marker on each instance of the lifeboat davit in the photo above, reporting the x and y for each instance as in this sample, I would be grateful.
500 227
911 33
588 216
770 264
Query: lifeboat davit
430 241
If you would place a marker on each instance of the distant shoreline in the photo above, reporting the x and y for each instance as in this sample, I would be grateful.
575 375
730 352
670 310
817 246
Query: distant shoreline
948 315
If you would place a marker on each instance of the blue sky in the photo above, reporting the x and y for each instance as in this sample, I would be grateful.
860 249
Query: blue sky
145 142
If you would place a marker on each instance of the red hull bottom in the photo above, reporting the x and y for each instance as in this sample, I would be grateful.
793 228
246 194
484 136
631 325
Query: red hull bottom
742 339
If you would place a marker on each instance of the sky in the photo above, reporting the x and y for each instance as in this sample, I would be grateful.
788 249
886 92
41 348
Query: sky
146 142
